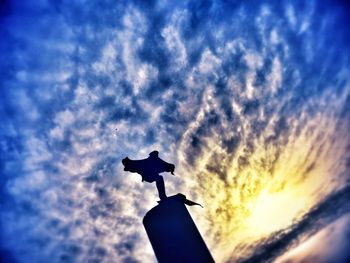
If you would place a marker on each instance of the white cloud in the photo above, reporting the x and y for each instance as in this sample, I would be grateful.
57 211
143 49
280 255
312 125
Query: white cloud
275 77
175 47
290 14
207 113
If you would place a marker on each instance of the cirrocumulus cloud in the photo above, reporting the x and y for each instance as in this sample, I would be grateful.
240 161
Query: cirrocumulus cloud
251 101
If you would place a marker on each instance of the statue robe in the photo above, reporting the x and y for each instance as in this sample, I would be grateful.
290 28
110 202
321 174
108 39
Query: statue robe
148 168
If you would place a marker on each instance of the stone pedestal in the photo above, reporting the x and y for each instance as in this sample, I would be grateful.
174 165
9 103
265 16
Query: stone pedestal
173 234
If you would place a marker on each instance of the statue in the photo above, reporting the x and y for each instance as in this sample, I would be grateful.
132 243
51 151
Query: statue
149 169
169 226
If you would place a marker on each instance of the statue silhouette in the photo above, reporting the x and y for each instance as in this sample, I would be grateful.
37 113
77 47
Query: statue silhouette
149 169
170 228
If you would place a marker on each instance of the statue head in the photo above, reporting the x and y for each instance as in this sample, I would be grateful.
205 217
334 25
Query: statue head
154 154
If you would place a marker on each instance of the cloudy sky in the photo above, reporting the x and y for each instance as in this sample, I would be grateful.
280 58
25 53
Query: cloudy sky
249 99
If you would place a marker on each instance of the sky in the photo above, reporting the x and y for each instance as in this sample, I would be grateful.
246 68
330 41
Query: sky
249 99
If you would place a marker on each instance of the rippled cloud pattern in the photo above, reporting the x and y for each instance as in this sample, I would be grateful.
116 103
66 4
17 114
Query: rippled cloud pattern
250 100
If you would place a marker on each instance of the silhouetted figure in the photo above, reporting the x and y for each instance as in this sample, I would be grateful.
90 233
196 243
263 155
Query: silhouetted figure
169 226
149 169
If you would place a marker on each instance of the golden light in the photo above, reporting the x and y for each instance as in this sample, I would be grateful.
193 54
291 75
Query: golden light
281 182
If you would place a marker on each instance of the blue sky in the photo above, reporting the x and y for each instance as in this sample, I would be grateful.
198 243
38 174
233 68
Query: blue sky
251 101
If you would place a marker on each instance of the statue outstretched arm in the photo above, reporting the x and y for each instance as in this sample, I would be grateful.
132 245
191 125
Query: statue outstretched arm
167 167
